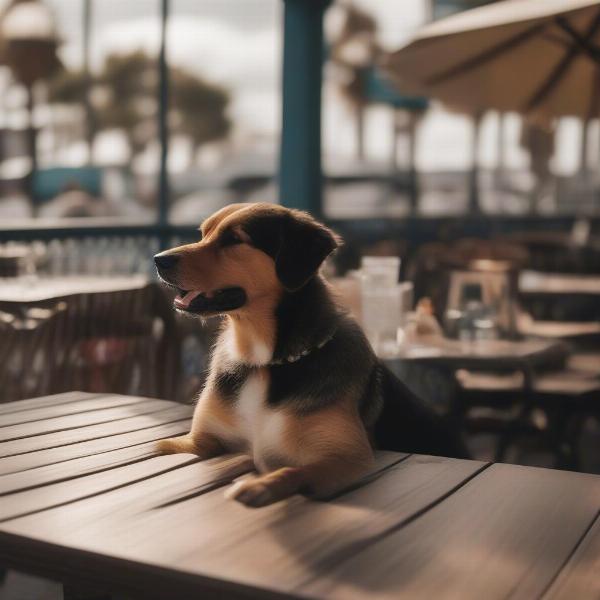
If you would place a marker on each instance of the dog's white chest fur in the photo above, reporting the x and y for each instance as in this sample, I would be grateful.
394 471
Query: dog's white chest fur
260 426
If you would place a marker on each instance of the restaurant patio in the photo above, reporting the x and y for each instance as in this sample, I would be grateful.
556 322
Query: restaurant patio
454 147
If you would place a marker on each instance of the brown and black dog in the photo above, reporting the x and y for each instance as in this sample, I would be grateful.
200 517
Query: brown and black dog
293 381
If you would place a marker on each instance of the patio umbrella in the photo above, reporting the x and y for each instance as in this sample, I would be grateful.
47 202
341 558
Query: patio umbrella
537 57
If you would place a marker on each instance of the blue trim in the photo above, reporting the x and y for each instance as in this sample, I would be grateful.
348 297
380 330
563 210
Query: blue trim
163 126
380 89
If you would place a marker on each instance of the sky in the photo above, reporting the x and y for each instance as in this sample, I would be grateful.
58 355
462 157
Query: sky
238 43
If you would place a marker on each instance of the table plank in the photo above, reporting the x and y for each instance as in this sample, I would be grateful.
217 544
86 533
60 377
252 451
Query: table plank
65 492
506 533
87 405
580 578
64 438
175 421
33 403
80 421
75 468
296 537
133 493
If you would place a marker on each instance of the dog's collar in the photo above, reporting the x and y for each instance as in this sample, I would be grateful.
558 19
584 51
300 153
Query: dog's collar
296 357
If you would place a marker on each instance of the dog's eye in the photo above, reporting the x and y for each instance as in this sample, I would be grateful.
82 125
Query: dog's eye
229 238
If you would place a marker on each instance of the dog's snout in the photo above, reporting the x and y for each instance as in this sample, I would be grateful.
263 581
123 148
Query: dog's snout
165 261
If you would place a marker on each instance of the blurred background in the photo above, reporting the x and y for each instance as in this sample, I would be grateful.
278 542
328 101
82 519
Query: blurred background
81 95
124 123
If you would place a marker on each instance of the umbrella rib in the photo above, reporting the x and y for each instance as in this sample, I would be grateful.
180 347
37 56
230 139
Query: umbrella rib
477 61
590 49
564 43
561 68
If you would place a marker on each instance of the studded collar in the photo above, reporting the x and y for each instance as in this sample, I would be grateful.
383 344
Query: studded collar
292 358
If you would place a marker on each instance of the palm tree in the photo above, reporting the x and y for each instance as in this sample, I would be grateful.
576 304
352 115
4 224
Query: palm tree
128 101
29 43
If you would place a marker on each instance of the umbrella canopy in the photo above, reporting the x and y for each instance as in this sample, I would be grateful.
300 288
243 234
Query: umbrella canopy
536 57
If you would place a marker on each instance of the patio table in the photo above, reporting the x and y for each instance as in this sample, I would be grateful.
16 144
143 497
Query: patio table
86 500
536 282
518 355
30 290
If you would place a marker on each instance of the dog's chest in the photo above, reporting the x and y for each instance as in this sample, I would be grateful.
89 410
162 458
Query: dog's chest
258 426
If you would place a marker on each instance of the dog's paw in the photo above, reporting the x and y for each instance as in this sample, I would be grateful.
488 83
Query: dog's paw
266 489
183 444
252 492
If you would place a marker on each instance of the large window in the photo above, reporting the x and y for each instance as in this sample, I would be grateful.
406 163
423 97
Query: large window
226 104
79 132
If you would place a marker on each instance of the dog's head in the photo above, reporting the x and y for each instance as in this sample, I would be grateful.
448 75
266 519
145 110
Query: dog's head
247 252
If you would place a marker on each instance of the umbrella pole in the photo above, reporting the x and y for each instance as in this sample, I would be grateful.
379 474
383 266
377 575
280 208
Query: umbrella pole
412 158
32 146
583 152
501 143
473 206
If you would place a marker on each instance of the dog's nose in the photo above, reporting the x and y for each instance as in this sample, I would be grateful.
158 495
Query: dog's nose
165 261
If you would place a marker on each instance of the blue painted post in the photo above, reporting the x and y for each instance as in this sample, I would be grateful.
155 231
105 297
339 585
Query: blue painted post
163 128
300 176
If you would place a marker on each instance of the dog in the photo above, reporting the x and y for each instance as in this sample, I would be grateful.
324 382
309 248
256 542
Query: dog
293 380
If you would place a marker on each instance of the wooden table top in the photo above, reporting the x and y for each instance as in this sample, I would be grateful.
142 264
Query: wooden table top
85 497
500 354
537 282
560 329
23 289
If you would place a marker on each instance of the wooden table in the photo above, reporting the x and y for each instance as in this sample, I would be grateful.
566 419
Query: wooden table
481 354
561 330
85 499
26 289
537 282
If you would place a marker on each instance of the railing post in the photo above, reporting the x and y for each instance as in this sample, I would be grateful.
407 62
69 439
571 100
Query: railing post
300 176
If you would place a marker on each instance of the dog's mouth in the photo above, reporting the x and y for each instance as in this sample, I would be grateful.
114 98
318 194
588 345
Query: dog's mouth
216 301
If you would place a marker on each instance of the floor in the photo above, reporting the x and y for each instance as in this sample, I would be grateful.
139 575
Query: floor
17 586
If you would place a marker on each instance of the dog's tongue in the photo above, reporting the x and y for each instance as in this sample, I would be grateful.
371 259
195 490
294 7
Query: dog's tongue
186 300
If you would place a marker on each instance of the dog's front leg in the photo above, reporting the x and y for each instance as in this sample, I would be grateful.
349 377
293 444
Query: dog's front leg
203 445
210 415
318 480
328 452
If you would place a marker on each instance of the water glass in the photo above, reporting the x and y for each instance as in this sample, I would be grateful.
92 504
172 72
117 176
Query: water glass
381 302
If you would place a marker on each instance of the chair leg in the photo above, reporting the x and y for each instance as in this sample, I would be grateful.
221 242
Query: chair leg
567 445
80 592
505 440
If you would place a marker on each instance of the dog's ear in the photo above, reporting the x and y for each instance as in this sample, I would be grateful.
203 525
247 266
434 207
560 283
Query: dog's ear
297 243
304 245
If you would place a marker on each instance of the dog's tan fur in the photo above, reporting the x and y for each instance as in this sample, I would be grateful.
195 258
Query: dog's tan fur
317 452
